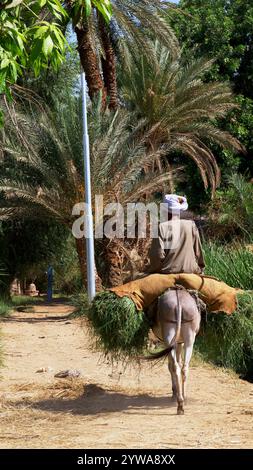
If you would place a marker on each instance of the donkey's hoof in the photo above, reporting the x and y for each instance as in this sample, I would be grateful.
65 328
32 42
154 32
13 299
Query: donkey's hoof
180 410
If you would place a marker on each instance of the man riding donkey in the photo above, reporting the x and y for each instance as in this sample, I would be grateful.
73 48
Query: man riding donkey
175 286
177 249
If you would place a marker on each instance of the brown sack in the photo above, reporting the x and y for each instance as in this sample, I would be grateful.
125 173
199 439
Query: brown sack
218 296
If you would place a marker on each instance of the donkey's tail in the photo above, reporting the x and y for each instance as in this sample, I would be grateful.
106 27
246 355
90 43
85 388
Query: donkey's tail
179 320
159 354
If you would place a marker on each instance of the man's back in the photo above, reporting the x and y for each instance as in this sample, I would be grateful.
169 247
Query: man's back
177 248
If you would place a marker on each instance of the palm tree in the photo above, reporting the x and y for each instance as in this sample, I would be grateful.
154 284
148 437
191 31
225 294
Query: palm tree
178 110
171 109
41 166
100 42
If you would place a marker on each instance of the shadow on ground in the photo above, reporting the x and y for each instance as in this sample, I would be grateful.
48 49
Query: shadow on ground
96 400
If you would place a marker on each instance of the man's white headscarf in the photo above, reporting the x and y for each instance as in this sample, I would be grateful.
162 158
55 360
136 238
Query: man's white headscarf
175 203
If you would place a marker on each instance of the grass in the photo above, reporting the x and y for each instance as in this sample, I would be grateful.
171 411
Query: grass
119 329
23 301
20 300
231 264
228 340
5 307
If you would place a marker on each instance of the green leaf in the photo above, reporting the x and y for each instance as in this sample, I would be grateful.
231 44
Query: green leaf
48 45
104 7
36 51
8 94
60 38
41 31
20 40
56 6
14 71
5 63
13 4
87 7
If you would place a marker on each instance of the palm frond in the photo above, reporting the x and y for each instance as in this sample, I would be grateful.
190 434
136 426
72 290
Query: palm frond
178 109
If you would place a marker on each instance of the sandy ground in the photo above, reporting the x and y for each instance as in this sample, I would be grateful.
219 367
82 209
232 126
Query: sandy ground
108 407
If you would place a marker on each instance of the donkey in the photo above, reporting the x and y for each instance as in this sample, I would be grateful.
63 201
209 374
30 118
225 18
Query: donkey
177 323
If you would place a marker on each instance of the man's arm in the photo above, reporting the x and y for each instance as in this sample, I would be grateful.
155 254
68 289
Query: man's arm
198 248
156 255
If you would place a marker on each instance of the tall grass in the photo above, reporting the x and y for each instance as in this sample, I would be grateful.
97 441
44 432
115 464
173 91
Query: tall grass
5 307
233 265
228 340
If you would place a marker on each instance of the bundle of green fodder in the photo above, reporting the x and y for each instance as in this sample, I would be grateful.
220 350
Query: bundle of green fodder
120 330
228 339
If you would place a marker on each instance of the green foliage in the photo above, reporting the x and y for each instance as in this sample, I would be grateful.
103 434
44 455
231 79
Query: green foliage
177 108
20 301
27 40
62 82
5 307
231 264
27 248
231 211
67 276
222 30
30 38
119 329
82 9
228 340
240 124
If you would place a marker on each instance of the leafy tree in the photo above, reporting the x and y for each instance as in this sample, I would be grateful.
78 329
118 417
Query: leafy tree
28 247
223 30
32 36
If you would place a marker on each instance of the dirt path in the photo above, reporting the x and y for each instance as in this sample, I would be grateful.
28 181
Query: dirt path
107 408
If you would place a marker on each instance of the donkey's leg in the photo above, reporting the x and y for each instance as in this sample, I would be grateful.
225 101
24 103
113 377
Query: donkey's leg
179 361
176 372
189 338
174 386
169 332
179 348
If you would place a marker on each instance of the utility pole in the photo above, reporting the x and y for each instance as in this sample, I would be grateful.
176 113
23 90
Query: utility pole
91 286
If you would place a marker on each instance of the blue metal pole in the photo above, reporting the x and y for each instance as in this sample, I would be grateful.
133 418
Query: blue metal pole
91 286
50 274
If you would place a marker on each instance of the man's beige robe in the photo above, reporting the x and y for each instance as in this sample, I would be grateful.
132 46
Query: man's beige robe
177 249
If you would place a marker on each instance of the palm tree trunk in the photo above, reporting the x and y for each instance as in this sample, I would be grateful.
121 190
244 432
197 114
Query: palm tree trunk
89 62
108 63
114 258
80 248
